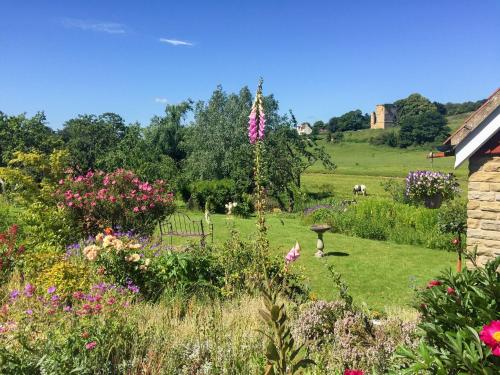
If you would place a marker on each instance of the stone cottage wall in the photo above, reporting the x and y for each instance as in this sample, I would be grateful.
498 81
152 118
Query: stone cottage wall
483 208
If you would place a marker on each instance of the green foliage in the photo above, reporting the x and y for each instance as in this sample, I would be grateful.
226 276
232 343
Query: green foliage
282 354
454 309
413 105
215 193
384 219
389 138
459 108
20 133
89 138
353 120
396 189
452 217
422 128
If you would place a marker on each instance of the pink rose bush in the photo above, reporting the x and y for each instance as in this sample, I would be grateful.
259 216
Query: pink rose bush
118 199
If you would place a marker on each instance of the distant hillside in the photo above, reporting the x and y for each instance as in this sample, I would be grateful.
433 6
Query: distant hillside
364 135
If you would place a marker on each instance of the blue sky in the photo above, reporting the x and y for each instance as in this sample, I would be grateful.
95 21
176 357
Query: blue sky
319 58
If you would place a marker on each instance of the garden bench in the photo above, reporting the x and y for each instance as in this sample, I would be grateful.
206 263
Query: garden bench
181 225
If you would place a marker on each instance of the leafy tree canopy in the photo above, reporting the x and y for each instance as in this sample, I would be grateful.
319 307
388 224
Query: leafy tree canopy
426 127
25 134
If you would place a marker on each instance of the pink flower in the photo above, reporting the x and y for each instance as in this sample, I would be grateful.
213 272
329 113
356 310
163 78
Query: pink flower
29 312
433 283
262 122
490 335
111 300
293 254
51 289
252 126
90 345
450 291
353 372
136 209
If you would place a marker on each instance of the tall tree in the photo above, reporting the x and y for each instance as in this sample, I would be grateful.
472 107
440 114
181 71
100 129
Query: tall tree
89 138
426 127
25 134
413 105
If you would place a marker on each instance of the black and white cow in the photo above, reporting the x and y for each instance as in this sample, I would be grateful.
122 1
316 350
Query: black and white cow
359 189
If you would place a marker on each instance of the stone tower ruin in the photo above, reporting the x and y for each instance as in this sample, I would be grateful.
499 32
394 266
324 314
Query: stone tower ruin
384 116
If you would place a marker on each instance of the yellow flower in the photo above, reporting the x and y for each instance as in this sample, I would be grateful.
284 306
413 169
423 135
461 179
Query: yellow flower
134 246
147 261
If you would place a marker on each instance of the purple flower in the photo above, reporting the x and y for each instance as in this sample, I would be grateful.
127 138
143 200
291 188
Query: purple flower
55 297
51 289
28 290
67 309
14 294
29 312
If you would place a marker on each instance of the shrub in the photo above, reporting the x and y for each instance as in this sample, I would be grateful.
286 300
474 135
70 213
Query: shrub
384 219
422 185
389 138
452 217
395 189
10 252
216 192
86 333
119 199
454 309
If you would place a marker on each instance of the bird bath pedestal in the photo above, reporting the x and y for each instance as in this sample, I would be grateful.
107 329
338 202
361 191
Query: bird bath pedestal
320 245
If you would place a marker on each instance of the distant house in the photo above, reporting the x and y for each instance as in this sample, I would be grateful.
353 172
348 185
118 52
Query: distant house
304 129
383 117
478 140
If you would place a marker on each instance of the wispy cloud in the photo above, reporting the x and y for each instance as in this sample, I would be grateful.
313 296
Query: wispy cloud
161 100
176 42
102 27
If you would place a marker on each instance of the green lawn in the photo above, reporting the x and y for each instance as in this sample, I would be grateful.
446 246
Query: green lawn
381 274
362 163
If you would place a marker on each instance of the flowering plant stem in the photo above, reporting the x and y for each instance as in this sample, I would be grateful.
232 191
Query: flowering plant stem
282 355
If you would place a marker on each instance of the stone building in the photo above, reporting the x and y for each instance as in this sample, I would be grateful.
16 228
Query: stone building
384 116
478 140
304 129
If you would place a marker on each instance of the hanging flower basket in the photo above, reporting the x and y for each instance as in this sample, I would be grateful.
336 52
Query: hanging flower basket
433 202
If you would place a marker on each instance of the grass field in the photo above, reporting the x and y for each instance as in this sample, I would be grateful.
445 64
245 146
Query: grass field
380 274
359 162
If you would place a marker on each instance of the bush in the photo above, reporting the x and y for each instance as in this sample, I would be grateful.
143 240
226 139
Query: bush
384 219
388 138
452 217
454 309
87 333
10 252
395 189
119 199
216 192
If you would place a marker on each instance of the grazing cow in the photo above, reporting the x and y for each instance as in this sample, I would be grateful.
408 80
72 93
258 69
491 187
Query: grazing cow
359 189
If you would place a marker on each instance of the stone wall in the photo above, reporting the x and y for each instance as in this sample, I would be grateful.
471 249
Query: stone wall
483 208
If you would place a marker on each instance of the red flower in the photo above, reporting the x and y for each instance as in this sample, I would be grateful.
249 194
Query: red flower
450 291
490 335
433 283
353 372
108 231
455 241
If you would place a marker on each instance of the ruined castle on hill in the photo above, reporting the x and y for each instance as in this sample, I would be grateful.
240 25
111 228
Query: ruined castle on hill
383 117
